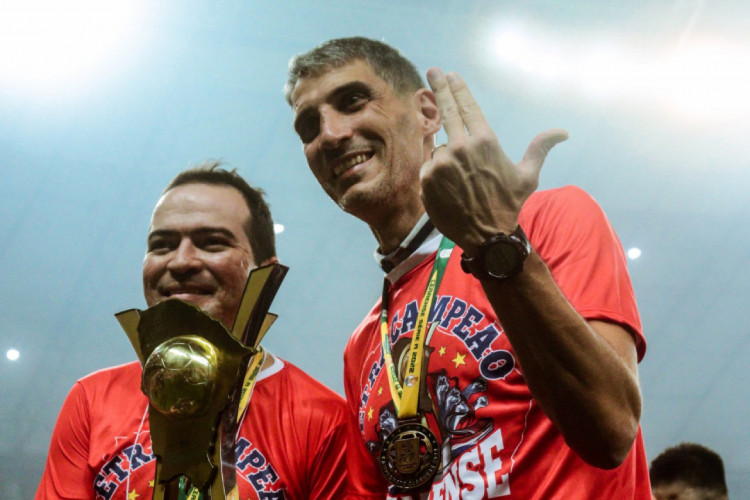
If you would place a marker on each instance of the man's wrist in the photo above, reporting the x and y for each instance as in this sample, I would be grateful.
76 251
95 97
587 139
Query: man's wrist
499 257
473 239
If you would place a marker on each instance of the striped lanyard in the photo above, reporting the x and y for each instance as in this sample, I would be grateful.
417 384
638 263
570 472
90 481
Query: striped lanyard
406 396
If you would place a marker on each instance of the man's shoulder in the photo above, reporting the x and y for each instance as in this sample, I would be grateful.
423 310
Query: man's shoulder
550 206
113 385
302 398
125 371
362 335
304 384
558 195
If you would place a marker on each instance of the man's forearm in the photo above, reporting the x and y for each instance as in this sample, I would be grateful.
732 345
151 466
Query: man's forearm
584 375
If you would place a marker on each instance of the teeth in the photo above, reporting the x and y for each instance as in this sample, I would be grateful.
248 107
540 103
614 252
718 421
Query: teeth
346 165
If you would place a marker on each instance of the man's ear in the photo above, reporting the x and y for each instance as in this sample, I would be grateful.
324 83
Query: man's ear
269 261
429 113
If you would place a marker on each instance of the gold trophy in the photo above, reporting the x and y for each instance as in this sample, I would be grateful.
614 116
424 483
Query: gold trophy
193 375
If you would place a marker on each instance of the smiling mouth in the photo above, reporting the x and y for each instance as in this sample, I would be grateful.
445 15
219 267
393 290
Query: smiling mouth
181 292
351 162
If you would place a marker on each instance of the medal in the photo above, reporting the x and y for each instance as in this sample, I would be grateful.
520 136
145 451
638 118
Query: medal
410 456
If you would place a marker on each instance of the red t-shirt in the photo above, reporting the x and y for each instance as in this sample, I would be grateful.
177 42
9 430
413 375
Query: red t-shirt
498 442
292 442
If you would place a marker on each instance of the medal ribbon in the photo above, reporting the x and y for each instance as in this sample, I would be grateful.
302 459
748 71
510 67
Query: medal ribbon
249 384
251 375
406 397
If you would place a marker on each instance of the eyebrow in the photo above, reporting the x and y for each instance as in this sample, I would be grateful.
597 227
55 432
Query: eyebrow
350 86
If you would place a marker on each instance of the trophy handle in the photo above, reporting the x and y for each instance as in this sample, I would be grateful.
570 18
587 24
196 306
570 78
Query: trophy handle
129 320
260 289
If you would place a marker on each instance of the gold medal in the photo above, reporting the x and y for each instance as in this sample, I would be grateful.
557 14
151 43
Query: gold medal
410 456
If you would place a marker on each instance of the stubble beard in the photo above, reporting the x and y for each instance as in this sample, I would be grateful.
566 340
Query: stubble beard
366 203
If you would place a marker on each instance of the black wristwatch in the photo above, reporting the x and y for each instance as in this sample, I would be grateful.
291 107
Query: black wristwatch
500 257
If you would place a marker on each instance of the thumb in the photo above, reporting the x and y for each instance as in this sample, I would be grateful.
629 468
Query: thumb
541 145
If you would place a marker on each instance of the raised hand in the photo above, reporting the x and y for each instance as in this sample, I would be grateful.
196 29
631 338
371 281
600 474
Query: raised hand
470 188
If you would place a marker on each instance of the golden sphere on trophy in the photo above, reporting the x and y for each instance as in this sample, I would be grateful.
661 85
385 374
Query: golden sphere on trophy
180 375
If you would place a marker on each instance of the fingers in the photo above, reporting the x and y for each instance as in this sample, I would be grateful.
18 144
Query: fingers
473 145
470 112
540 146
449 112
458 109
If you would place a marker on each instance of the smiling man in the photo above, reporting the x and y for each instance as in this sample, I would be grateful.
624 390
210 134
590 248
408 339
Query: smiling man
208 231
496 364
199 250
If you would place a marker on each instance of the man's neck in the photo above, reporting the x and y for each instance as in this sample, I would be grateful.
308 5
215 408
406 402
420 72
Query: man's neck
267 362
422 231
391 231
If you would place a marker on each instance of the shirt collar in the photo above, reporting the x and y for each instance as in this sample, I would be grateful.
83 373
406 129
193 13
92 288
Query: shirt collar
423 240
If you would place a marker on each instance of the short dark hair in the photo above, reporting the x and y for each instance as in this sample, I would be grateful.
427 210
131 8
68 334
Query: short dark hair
259 229
387 62
694 464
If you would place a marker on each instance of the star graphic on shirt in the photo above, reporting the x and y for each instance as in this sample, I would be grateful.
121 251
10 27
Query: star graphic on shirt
442 350
459 359
369 414
151 483
380 391
133 495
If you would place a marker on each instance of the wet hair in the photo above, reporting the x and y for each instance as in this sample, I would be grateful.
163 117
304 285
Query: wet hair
694 464
386 62
259 227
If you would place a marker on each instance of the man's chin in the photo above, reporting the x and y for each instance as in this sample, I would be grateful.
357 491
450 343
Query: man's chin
203 302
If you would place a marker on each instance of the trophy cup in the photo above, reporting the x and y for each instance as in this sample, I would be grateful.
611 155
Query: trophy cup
194 372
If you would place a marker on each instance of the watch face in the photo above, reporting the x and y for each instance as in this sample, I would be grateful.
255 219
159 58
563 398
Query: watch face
503 259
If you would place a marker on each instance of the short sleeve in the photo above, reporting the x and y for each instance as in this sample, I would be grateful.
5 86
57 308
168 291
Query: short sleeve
571 233
66 473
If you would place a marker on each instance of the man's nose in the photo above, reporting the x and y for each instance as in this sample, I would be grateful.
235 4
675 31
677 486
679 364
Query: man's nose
335 128
185 259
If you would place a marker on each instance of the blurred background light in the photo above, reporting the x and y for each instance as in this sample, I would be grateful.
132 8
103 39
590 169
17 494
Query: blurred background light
708 79
634 253
702 78
12 354
54 46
